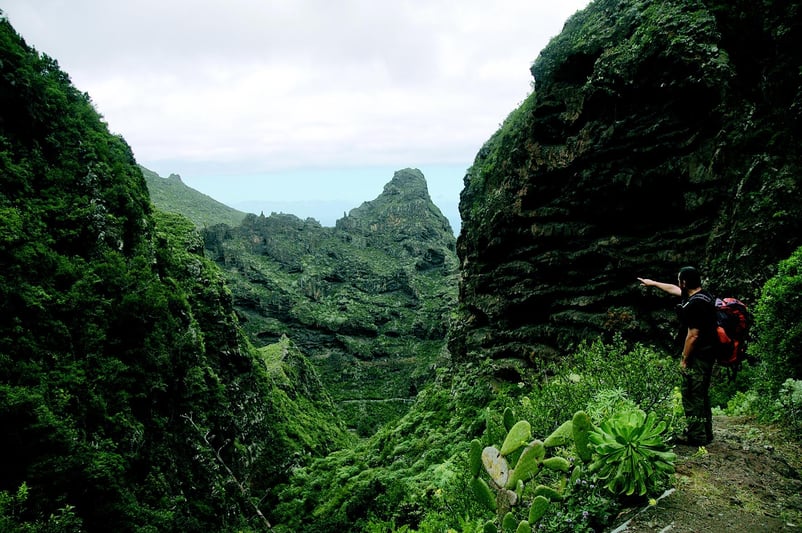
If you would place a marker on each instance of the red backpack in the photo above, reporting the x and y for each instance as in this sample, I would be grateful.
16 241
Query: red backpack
733 321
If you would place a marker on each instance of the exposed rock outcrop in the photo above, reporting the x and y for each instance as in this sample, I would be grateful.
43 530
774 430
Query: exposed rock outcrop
659 134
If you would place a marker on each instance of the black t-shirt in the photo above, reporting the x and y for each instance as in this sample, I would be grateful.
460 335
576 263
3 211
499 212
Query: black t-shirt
699 312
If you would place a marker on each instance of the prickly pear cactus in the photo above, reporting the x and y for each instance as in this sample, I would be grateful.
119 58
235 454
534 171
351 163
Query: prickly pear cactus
475 456
560 436
509 419
558 464
528 463
509 523
547 492
483 493
506 492
539 507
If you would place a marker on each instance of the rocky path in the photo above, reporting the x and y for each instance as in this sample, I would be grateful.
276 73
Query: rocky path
749 479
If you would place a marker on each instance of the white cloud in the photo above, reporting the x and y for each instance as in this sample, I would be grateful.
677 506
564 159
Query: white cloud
277 84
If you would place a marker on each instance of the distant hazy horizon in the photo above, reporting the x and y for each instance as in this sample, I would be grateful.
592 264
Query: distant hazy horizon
270 98
325 195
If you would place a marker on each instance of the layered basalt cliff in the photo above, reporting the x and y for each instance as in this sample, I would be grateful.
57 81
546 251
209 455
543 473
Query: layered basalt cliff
658 134
368 300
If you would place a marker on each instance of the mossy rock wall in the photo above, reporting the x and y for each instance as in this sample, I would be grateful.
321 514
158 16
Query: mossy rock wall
659 134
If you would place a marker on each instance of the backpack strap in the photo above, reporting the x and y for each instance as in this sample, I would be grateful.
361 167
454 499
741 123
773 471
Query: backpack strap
704 296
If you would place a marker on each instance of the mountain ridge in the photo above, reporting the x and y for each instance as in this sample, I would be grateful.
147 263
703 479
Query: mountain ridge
171 194
367 300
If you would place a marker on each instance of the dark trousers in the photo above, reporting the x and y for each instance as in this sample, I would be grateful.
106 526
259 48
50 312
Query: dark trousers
696 400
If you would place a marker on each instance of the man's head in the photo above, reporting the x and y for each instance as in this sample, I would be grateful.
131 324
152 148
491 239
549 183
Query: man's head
689 279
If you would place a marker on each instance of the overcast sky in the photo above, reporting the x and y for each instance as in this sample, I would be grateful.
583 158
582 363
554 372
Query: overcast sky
307 104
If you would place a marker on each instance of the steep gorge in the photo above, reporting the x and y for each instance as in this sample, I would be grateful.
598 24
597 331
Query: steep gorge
368 300
660 133
130 400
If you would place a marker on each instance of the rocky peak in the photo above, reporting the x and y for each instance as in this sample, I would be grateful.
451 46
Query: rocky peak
402 213
409 184
367 300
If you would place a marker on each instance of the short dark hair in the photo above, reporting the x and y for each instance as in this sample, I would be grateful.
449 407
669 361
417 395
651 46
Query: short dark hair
690 276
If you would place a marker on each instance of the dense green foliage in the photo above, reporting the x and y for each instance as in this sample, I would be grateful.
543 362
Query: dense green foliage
778 328
368 301
772 386
128 398
416 475
171 195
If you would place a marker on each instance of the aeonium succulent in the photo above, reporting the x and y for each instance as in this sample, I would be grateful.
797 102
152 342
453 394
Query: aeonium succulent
631 455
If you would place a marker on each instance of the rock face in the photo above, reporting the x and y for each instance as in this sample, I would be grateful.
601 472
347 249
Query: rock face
367 300
659 134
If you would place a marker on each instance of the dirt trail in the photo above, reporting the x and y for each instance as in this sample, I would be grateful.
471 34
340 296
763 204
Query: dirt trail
749 480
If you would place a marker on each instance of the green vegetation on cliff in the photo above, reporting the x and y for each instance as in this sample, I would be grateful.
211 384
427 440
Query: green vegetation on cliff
145 387
658 134
129 400
368 301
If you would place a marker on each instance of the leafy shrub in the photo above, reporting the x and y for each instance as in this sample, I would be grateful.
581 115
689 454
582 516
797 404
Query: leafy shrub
789 405
778 328
639 375
724 387
14 506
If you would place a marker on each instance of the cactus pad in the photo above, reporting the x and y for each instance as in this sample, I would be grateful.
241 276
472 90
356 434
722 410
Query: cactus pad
560 436
475 457
539 507
558 464
509 419
483 493
581 429
495 465
518 436
528 463
548 492
509 523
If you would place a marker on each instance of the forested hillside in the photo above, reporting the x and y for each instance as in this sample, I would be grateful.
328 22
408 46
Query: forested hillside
129 400
368 300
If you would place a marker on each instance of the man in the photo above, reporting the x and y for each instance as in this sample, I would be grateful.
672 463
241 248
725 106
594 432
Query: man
697 312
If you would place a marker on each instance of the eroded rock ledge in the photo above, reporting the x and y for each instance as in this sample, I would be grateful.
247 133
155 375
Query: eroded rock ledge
658 134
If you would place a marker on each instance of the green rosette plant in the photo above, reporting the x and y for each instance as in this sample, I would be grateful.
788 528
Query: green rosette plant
631 456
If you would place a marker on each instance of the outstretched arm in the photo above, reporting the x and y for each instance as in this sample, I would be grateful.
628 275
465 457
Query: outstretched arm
670 288
689 346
